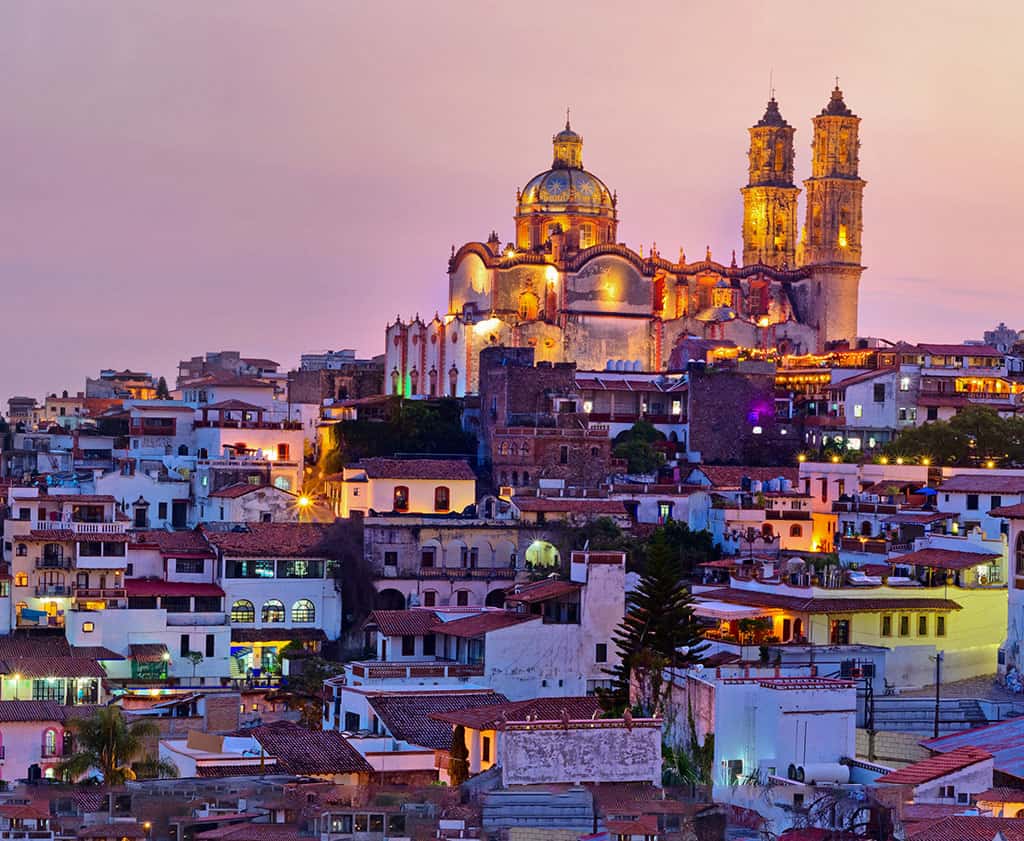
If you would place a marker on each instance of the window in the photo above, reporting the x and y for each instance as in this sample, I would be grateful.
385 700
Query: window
396 825
485 750
442 498
429 645
922 625
427 557
22 550
190 566
390 559
904 626
248 568
88 627
887 625
161 510
462 598
352 721
972 502
50 742
996 501
210 645
601 652
207 604
184 646
408 645
300 568
282 452
879 393
176 604
342 824
796 531
664 512
243 611
429 598
401 502
940 626
904 383
563 455
303 611
858 410
273 611
21 579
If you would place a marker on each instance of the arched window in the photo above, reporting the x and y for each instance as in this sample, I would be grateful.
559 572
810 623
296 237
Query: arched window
303 611
273 611
50 742
442 498
865 529
528 306
21 579
19 607
796 531
22 550
401 498
767 532
515 477
243 611
526 477
1019 560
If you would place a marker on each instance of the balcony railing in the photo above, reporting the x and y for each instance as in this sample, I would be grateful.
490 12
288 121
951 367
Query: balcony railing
459 572
53 590
369 670
53 563
859 507
197 618
78 528
769 514
26 835
100 593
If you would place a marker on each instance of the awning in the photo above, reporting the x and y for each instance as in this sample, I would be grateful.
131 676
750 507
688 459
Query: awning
724 610
149 652
250 635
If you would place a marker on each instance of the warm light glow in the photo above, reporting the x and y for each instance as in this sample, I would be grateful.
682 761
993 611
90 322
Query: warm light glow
487 325
16 676
154 692
883 460
270 455
510 252
304 501
926 461
990 464
899 460
835 459
167 656
842 236
801 458
763 321
551 273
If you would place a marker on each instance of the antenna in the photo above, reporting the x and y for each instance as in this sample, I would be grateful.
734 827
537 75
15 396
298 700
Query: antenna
771 85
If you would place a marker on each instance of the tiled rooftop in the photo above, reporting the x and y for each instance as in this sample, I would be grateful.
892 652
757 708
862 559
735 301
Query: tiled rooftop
407 715
935 767
416 468
272 540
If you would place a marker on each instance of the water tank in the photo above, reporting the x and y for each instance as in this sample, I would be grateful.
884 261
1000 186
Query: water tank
824 772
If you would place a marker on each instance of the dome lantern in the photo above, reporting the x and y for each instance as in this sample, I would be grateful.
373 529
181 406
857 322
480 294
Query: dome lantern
568 148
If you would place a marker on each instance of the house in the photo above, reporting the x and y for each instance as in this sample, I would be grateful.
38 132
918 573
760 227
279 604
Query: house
245 502
955 777
575 511
280 586
972 495
402 486
33 733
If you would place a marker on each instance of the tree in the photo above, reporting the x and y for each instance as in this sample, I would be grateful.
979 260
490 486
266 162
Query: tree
659 622
106 743
976 436
195 658
304 690
162 391
458 762
637 446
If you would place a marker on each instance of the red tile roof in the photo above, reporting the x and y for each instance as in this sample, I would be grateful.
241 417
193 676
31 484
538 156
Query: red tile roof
240 489
731 477
558 505
234 406
482 623
174 544
46 657
416 468
945 558
1014 512
1001 794
113 831
226 379
935 767
272 540
407 714
24 811
986 483
302 751
11 711
253 832
961 350
971 828
537 709
539 591
856 604
867 376
143 587
401 623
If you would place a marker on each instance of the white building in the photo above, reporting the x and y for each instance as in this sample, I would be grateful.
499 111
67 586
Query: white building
404 486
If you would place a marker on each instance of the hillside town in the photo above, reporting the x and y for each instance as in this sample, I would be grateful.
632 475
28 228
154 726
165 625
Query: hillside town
618 547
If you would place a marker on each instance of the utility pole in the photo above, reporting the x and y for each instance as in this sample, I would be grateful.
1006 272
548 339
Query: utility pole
938 688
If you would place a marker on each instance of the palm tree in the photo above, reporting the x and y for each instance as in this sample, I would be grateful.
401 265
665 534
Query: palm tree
107 743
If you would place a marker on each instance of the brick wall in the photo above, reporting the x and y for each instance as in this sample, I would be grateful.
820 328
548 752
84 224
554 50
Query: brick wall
533 833
891 747
222 712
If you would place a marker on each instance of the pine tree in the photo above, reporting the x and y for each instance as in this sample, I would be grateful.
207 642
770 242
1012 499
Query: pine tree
659 621
458 761
162 392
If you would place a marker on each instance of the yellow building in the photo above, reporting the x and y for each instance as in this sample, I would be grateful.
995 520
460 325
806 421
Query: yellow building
403 486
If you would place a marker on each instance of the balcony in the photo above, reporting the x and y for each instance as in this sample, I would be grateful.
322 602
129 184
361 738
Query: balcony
78 528
383 670
769 514
236 424
479 573
100 593
53 563
26 835
179 619
53 590
857 507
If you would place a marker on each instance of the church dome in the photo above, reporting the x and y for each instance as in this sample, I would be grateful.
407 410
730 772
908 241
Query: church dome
567 186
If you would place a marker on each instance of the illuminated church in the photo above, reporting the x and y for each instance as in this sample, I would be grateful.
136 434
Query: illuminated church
569 289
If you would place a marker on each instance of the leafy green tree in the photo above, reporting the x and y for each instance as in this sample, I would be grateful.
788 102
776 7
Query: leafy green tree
195 658
458 762
106 743
304 689
659 622
162 391
637 446
975 436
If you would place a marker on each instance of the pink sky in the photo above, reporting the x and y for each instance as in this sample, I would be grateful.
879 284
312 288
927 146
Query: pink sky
281 177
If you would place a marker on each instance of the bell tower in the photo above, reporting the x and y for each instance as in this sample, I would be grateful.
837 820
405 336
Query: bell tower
770 197
834 191
830 243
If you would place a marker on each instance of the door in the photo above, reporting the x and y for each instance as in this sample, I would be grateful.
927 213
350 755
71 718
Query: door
179 514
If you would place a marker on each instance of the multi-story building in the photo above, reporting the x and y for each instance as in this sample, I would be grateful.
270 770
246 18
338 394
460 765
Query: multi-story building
402 486
122 385
226 362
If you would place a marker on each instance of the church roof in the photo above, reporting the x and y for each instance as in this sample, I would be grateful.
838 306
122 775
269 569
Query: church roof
567 186
836 107
772 117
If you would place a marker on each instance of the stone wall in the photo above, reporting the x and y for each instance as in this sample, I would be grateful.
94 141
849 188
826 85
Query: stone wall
891 748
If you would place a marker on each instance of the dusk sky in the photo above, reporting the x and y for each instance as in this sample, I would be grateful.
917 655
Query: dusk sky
279 177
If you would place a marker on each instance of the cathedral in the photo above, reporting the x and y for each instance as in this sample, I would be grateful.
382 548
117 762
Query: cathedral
570 290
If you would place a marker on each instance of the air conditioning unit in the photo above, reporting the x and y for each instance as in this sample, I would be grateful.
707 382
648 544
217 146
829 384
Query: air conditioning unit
506 491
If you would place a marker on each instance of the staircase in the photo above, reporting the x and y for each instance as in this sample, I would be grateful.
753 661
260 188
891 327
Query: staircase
917 715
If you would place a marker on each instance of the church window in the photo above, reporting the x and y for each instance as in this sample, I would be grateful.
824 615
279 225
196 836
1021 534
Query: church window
722 297
528 306
586 236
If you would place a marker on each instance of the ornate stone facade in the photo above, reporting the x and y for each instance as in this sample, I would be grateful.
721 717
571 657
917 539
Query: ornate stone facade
566 288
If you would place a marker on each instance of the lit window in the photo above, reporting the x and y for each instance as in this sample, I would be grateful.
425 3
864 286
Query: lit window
904 383
303 611
858 411
88 627
273 611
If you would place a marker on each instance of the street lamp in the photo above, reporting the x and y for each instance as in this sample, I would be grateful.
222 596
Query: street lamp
938 687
